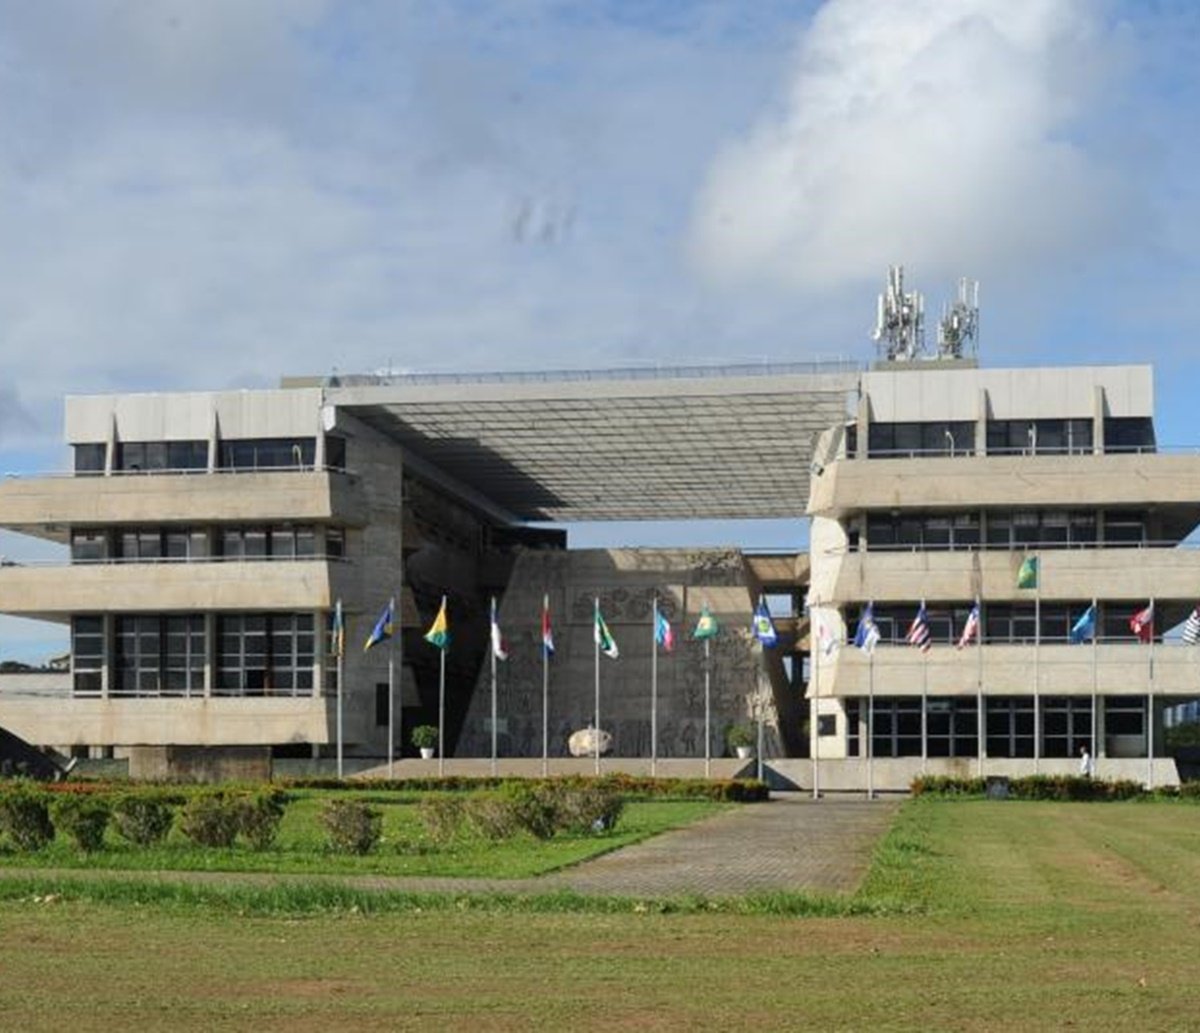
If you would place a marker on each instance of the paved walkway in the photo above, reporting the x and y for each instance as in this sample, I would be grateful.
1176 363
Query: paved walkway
791 843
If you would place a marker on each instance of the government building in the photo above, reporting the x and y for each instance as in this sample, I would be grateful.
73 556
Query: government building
1026 515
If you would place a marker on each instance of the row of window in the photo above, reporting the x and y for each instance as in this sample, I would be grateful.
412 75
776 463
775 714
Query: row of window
285 541
952 725
1007 529
256 654
242 454
1004 437
1002 623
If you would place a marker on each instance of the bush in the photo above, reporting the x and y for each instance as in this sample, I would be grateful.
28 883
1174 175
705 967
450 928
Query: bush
259 816
533 806
491 816
739 735
84 819
441 816
947 785
352 826
26 818
586 808
211 819
425 736
143 820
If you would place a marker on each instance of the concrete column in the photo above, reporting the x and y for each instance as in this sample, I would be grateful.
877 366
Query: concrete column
210 653
214 442
864 425
981 418
1098 406
106 668
319 631
110 447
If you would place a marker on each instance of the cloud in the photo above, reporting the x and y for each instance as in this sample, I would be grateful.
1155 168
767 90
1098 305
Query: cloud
954 137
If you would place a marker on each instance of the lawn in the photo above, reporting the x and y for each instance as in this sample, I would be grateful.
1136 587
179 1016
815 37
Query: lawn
404 850
992 916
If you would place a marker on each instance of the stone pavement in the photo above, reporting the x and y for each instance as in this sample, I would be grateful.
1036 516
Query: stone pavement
790 843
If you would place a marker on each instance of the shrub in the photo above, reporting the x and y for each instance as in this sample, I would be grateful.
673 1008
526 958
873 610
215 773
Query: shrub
144 820
259 815
425 736
491 816
739 735
84 819
533 807
947 785
211 819
441 816
589 807
26 818
352 826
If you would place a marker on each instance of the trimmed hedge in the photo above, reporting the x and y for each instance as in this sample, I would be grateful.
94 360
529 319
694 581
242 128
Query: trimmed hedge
1053 787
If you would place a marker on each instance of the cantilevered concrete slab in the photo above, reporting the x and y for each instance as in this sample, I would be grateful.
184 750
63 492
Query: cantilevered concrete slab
616 445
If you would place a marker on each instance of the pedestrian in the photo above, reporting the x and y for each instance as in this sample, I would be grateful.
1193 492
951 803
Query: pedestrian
1087 766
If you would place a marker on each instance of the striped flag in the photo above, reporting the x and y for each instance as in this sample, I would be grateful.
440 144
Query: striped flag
1142 623
918 631
547 633
866 635
1191 628
664 635
971 628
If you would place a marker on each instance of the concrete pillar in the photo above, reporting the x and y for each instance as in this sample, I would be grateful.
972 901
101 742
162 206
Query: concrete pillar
210 653
981 419
106 668
863 423
1099 404
214 442
319 632
110 447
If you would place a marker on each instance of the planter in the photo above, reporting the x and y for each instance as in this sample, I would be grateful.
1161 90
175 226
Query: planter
426 752
744 752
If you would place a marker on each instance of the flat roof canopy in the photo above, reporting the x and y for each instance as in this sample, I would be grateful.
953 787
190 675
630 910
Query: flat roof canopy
616 445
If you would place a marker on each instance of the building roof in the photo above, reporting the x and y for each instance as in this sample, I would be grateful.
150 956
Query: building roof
695 443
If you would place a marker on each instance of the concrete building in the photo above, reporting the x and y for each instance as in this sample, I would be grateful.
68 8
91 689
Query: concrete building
210 536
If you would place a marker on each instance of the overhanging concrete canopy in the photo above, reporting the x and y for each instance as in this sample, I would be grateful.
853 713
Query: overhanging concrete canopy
623 445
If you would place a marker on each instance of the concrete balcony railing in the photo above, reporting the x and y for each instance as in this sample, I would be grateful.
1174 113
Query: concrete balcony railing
54 592
246 721
1012 670
50 505
850 485
1065 574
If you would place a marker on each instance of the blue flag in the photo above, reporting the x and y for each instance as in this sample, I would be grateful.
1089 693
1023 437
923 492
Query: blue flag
383 627
1084 629
762 625
866 636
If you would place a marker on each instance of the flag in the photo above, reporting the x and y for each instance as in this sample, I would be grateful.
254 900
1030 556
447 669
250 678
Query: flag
664 635
1142 623
1084 629
337 631
439 631
1027 576
918 631
499 646
706 626
383 627
825 637
602 636
866 635
762 626
1191 628
971 628
547 634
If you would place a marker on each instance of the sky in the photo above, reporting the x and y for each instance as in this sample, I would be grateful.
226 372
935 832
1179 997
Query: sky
211 195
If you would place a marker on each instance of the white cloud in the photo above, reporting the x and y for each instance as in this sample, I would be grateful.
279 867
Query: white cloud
950 136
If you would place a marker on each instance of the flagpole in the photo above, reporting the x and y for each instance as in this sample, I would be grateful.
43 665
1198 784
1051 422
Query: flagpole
596 711
980 716
392 696
707 709
340 677
654 689
442 702
814 712
1095 676
763 684
871 724
1037 669
924 708
492 650
545 692
1150 707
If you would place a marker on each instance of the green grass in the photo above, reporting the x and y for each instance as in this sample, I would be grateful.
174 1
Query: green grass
975 915
300 847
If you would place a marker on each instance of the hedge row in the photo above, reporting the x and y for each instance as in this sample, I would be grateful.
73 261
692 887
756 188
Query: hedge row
1053 787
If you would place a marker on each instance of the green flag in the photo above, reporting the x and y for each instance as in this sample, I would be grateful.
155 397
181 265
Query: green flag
603 637
706 626
1027 576
439 632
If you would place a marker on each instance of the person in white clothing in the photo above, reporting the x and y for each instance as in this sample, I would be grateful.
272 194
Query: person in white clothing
1087 766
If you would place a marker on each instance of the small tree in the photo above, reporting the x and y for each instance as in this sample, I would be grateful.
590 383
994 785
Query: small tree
425 737
142 819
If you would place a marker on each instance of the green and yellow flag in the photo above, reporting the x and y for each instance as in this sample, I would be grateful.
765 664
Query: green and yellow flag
439 632
706 626
1027 576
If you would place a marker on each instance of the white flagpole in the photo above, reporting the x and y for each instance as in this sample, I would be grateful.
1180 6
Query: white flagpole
492 650
442 702
871 724
814 712
1150 707
1095 676
545 695
707 709
654 689
1037 669
596 712
980 715
340 677
925 704
392 693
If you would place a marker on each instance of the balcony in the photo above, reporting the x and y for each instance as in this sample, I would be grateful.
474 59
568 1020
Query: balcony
48 506
1011 670
1163 572
851 485
55 591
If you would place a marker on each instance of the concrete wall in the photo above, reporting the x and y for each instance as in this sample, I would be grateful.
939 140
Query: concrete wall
626 581
201 764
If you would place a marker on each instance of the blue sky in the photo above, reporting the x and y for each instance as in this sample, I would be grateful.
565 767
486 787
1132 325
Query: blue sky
211 195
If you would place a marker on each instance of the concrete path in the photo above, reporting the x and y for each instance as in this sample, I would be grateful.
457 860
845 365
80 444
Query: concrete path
791 843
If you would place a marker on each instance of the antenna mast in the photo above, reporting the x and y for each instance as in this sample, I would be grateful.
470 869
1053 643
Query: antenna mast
900 323
959 325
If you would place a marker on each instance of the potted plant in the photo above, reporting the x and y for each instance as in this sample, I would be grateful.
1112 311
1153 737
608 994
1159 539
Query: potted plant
424 738
740 739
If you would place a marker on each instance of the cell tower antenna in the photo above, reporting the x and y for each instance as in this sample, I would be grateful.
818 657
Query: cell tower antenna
900 323
959 326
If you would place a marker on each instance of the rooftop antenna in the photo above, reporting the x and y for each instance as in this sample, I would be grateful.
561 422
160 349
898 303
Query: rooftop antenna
900 323
959 325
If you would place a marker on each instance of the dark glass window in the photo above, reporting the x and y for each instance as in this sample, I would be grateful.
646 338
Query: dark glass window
1124 528
335 452
87 654
932 438
89 546
134 456
1129 434
1124 716
1010 726
951 727
897 730
267 454
159 656
89 458
381 704
335 542
1039 437
1066 725
265 654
